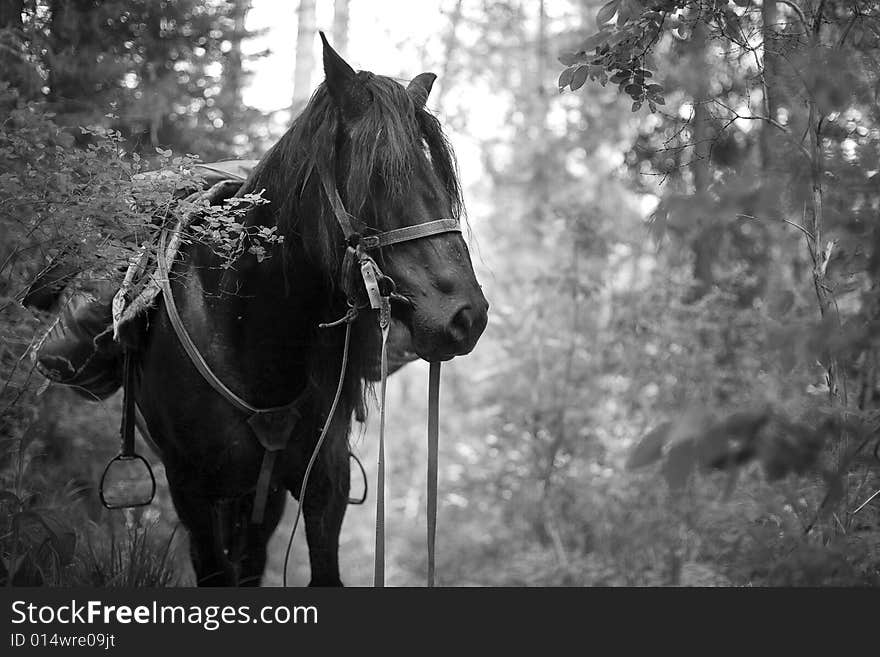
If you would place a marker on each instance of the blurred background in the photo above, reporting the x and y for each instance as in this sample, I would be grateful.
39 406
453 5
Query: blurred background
673 210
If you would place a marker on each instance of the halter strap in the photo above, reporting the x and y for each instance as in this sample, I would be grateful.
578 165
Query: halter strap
351 226
355 230
408 233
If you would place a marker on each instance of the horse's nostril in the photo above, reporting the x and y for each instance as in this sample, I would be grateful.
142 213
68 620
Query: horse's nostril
461 324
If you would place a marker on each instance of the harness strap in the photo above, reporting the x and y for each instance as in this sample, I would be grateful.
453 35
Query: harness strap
324 430
351 226
188 344
433 449
354 229
261 494
408 233
128 404
379 564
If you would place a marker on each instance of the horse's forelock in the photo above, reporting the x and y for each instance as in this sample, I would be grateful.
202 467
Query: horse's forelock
386 143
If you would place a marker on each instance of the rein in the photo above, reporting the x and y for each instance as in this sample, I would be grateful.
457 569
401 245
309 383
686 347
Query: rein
379 289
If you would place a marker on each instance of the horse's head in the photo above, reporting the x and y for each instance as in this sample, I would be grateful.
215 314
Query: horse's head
395 169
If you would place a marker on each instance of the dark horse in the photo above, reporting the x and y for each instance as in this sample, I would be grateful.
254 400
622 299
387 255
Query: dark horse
256 324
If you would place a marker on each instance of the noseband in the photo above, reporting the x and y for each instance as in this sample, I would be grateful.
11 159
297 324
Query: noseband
359 241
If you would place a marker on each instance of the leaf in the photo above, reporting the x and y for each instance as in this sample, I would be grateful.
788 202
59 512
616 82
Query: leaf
636 106
163 152
570 58
629 9
594 41
606 13
565 77
620 76
634 90
689 426
579 77
650 448
679 465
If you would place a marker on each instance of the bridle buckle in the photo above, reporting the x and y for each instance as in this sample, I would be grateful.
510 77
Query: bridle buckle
370 241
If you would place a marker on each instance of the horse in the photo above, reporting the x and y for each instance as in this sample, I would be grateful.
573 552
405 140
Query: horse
256 324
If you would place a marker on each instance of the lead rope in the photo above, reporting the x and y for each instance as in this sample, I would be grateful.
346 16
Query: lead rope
433 449
383 304
349 318
379 564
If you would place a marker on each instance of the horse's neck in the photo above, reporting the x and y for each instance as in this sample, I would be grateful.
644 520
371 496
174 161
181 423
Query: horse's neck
254 332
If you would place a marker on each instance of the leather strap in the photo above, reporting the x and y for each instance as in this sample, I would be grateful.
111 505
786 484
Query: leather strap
188 344
128 398
433 449
302 491
379 564
408 233
351 225
354 229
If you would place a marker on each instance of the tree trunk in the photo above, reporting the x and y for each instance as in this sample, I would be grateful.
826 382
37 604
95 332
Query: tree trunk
340 26
541 180
233 70
10 13
449 51
704 244
305 59
769 17
13 63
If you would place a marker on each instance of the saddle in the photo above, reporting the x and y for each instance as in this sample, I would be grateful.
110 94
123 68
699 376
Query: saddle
96 319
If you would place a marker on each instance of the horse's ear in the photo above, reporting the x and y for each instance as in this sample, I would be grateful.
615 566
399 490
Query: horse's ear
342 83
420 87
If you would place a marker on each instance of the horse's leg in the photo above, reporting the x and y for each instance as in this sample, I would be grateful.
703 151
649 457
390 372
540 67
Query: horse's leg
323 511
200 515
254 538
323 526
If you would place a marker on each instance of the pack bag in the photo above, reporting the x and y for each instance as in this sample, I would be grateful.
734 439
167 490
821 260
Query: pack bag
78 350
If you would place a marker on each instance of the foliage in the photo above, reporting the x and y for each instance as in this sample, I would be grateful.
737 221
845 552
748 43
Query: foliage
136 559
172 72
96 208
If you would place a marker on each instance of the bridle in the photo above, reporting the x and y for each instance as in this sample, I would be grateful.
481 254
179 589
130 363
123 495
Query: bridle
359 241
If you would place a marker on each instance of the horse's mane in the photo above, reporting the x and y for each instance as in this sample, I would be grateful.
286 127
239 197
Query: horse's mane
391 145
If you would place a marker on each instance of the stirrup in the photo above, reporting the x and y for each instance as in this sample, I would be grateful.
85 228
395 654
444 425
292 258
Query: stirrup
126 477
127 469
